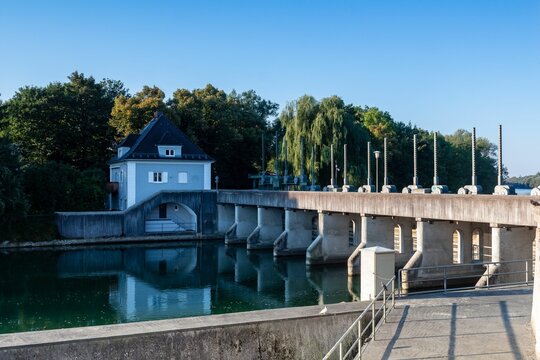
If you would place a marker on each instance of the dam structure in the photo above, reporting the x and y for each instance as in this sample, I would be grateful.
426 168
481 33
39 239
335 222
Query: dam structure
425 230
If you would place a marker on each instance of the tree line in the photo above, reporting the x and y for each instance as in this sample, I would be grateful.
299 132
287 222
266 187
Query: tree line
55 140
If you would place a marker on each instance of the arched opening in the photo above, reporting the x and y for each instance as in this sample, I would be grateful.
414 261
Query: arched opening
353 236
171 217
477 246
397 239
314 227
457 247
486 247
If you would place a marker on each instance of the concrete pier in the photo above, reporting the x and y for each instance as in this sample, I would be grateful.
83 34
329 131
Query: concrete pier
225 214
508 244
245 221
298 233
269 227
333 245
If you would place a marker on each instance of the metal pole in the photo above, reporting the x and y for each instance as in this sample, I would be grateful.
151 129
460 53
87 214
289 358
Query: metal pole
373 319
376 174
262 151
385 164
435 176
368 163
344 164
312 165
332 164
286 164
384 304
499 175
302 173
276 167
415 172
473 157
360 339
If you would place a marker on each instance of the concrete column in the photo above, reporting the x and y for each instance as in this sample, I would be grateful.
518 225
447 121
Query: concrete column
378 231
434 241
509 244
269 227
298 233
332 245
225 217
245 221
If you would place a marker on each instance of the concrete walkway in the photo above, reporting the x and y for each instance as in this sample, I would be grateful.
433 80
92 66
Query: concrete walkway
487 324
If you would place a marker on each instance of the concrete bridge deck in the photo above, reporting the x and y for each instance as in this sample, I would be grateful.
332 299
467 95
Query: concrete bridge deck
490 324
495 209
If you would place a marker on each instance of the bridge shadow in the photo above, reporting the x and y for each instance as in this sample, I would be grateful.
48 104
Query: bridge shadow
392 343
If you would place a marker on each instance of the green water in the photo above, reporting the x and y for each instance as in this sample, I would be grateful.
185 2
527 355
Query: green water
50 289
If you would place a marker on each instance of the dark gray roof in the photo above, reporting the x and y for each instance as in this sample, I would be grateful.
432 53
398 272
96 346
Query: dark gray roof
159 131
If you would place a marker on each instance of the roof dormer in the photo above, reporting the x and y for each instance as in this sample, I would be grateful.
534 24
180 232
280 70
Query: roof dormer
170 151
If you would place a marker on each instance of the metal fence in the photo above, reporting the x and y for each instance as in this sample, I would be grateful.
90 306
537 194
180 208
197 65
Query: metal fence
444 278
353 342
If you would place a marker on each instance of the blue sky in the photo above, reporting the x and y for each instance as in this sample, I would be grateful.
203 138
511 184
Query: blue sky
440 64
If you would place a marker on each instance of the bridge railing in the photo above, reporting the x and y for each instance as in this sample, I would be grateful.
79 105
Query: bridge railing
353 342
452 277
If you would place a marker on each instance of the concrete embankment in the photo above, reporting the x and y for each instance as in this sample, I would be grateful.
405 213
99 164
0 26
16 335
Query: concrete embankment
291 333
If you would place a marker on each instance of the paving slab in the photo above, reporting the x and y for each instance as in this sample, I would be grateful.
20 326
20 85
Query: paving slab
477 324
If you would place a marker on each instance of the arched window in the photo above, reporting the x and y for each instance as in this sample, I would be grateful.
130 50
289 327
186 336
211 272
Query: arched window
352 234
397 239
457 247
477 246
414 238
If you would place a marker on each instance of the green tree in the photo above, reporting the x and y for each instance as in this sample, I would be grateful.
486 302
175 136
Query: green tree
13 204
227 127
64 122
131 113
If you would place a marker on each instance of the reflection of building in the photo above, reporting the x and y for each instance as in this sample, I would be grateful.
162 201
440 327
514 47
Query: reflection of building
160 157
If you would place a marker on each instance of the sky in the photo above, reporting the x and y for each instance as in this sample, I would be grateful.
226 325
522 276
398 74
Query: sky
439 64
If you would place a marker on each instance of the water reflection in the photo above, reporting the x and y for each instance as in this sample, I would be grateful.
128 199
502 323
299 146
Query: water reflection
51 289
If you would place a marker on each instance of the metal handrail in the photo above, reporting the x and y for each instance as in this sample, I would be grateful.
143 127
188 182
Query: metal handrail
355 350
446 276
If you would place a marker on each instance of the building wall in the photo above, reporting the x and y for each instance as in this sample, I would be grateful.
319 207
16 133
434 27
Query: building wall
118 173
145 189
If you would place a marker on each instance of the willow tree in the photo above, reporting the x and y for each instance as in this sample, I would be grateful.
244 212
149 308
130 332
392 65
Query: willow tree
322 124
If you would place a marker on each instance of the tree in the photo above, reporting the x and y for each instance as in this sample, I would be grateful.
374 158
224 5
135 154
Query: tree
130 114
227 127
64 122
13 204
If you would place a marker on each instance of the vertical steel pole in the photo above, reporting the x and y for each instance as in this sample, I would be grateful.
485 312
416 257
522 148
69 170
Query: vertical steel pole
473 157
499 175
368 163
302 173
435 176
332 164
373 319
344 164
262 152
415 170
385 164
312 165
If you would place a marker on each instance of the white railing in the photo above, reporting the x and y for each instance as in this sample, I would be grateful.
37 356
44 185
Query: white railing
437 278
353 342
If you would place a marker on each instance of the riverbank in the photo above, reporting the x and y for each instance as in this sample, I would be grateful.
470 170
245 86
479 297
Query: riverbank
108 240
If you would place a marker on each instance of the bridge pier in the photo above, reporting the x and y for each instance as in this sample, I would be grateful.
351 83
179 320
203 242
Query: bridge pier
298 233
225 217
334 243
269 227
245 221
508 244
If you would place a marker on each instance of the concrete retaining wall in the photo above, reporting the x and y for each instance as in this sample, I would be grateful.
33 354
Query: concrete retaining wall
131 222
292 333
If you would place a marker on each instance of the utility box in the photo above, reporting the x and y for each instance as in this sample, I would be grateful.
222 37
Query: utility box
377 268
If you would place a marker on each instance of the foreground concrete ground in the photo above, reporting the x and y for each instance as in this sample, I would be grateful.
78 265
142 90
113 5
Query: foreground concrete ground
491 324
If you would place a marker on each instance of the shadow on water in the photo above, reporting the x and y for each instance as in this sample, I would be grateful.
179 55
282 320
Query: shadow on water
115 284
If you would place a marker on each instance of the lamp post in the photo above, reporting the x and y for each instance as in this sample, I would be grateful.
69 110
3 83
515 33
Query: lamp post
216 179
377 154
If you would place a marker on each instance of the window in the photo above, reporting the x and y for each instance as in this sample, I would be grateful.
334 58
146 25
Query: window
122 176
169 152
182 177
157 177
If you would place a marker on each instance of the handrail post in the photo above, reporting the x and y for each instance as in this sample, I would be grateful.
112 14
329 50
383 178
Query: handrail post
373 319
488 276
527 272
444 278
360 339
400 274
384 304
340 351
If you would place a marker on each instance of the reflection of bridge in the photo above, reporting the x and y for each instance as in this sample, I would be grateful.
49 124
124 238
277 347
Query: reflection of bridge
200 279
